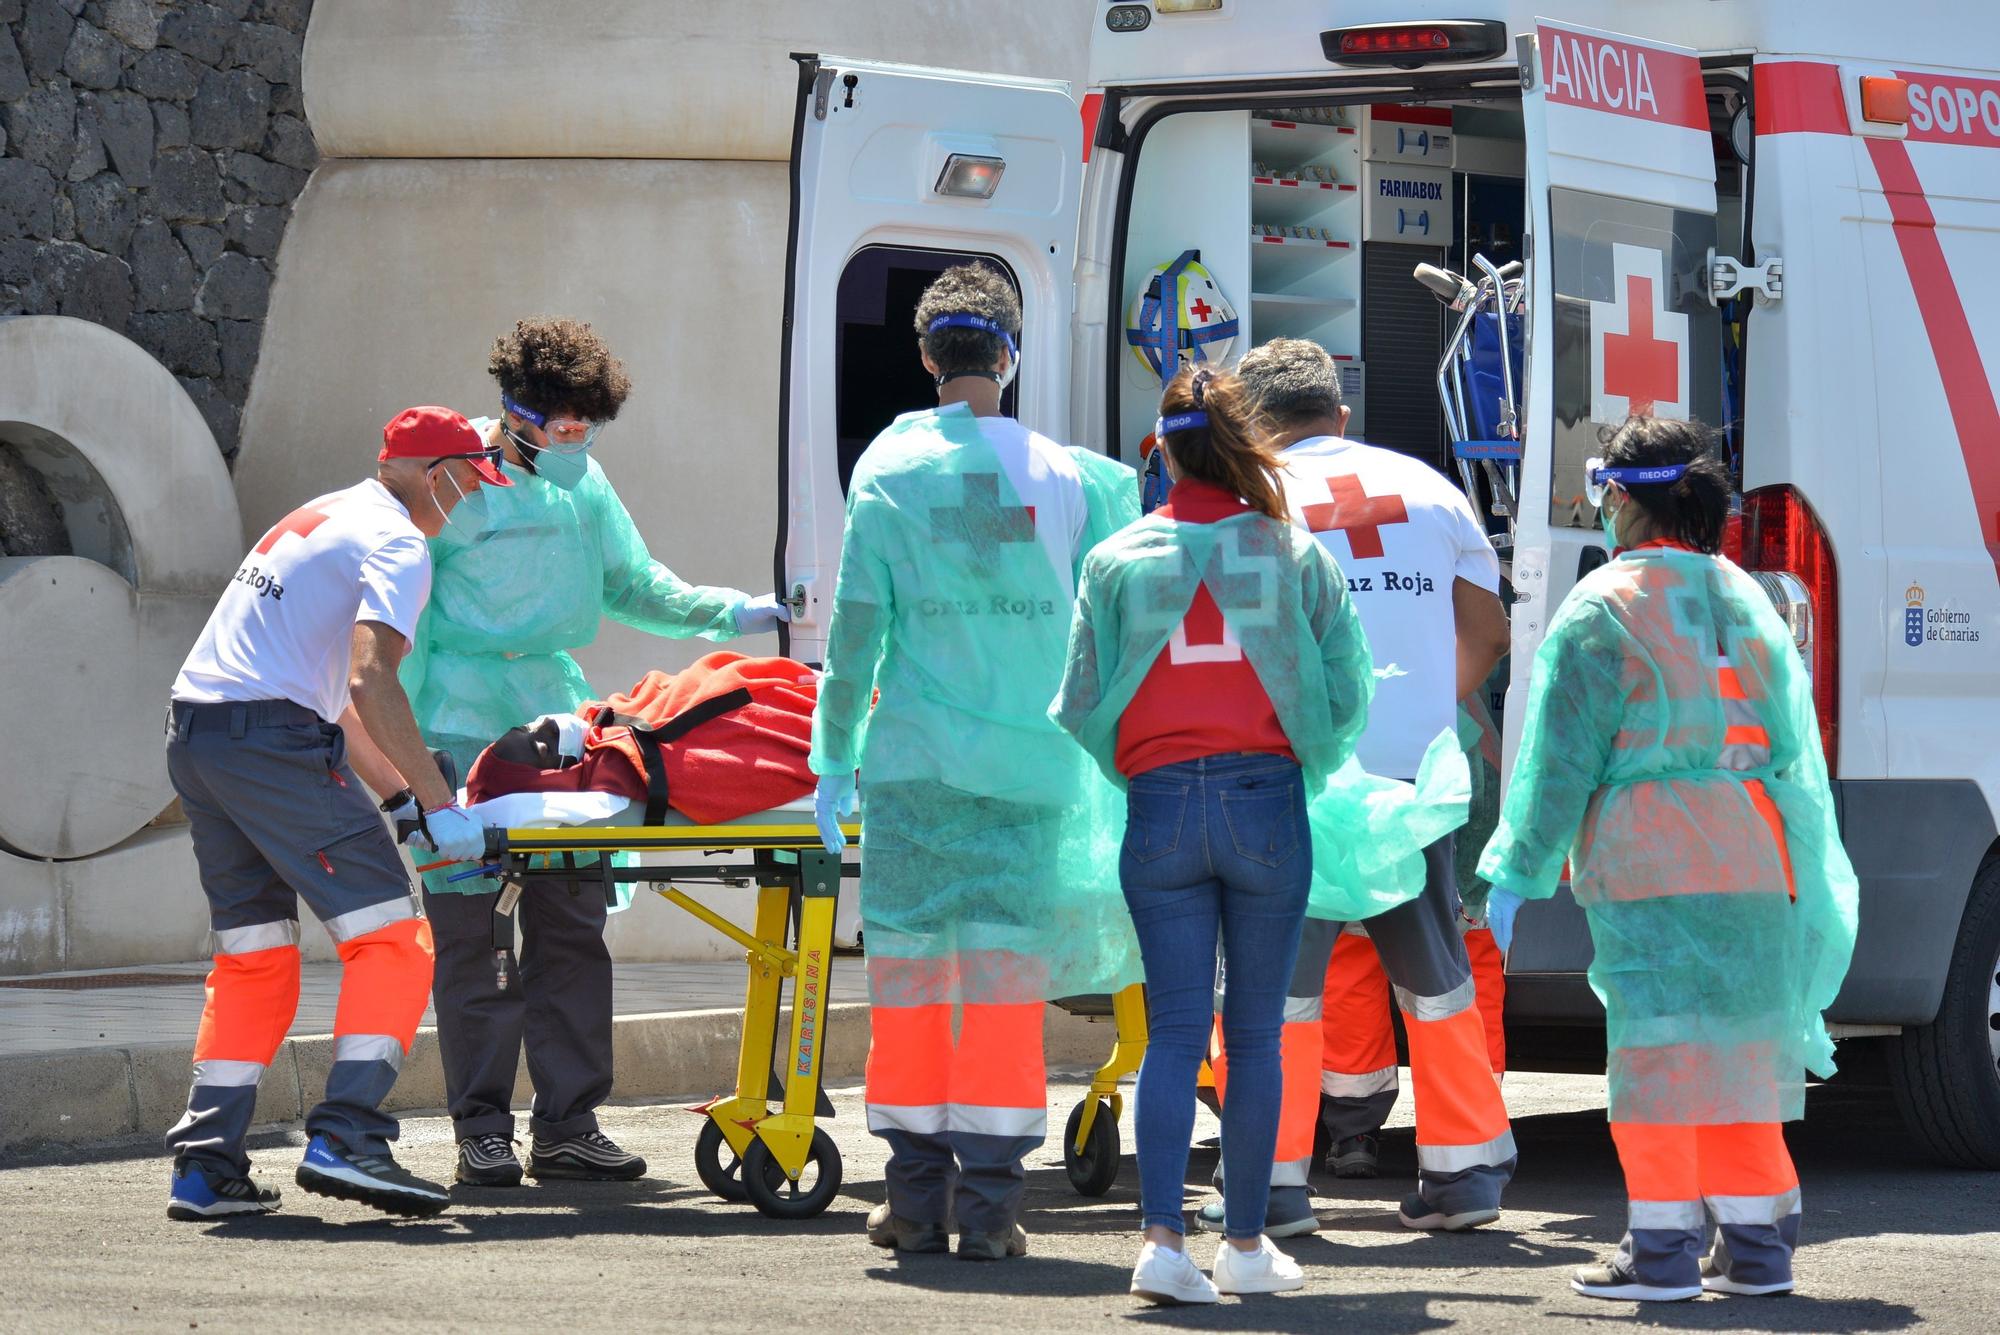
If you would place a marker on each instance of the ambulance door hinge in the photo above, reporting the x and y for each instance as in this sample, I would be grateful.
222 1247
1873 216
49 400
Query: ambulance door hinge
822 91
1727 277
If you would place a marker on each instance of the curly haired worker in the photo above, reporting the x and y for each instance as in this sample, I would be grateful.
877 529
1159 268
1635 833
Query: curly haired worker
514 592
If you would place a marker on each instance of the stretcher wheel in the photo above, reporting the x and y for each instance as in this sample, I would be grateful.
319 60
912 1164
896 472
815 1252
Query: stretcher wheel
778 1196
1093 1171
716 1163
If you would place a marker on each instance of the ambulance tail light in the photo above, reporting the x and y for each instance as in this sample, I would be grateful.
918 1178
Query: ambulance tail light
1408 46
1786 551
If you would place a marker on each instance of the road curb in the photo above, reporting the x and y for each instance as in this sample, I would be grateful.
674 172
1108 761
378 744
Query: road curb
77 1097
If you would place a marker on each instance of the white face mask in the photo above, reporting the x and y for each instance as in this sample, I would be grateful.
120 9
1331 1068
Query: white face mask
1007 376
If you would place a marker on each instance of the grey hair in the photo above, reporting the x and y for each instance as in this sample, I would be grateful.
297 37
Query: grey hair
1293 378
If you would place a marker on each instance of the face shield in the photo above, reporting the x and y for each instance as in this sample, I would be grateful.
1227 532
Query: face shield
967 320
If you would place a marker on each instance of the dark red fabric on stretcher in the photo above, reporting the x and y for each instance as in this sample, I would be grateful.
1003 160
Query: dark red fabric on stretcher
748 760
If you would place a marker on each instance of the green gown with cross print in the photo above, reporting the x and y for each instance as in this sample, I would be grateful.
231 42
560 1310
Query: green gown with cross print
1286 603
989 842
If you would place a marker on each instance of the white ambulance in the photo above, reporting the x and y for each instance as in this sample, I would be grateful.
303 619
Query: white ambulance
1772 215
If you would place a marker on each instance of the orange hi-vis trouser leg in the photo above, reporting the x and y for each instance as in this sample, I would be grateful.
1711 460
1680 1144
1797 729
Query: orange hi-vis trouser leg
253 993
1358 1079
1465 1147
979 1100
384 986
1740 1171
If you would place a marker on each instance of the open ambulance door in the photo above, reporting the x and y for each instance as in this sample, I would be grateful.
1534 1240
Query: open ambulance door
897 174
1622 226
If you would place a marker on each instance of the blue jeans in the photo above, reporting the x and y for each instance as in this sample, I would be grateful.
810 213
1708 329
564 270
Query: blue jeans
1215 849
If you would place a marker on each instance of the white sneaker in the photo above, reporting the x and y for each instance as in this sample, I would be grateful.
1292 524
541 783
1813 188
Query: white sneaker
1164 1275
1266 1270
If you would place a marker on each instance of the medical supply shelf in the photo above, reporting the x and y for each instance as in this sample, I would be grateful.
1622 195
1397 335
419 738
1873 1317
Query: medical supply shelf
1304 177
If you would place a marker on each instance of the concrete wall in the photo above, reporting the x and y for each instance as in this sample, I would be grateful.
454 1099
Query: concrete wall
618 160
635 78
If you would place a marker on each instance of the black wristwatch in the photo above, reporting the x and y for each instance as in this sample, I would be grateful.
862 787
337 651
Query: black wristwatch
396 799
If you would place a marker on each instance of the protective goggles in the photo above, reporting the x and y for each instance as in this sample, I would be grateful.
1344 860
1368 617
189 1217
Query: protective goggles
567 435
965 320
1597 479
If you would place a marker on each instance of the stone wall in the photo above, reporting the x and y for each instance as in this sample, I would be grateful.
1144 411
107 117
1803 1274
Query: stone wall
150 151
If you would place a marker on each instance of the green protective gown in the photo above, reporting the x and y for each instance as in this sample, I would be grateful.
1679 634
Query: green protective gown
514 590
1112 489
1635 768
1286 602
989 843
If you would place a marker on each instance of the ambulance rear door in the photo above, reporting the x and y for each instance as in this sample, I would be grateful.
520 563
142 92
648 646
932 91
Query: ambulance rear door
900 172
1621 217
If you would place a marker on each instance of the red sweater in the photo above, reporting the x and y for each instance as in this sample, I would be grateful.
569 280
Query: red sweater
1201 697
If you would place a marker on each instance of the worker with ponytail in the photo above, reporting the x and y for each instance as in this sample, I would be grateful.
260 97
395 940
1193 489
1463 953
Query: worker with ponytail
1219 674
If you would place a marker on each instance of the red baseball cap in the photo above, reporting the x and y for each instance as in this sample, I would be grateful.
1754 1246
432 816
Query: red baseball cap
439 433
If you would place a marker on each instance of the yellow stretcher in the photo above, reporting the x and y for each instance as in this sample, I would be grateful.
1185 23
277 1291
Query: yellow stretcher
782 1162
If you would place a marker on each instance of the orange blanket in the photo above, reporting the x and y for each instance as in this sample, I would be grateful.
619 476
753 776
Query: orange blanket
750 759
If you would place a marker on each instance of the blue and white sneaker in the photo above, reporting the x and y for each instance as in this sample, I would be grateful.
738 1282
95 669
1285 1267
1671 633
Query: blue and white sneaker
374 1180
194 1194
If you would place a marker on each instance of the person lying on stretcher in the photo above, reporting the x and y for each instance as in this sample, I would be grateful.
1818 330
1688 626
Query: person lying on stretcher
725 738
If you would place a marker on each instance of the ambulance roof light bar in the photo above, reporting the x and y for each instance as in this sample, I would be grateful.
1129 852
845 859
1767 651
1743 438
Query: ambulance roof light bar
1409 46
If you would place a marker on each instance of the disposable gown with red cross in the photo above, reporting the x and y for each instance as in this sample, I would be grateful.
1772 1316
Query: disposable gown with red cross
989 842
1286 602
1671 754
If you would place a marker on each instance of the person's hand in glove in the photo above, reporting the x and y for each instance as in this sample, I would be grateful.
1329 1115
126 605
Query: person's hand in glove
569 733
405 816
452 832
1501 906
833 799
762 614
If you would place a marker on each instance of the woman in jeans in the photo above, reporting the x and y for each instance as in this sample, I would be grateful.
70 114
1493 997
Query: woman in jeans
1216 670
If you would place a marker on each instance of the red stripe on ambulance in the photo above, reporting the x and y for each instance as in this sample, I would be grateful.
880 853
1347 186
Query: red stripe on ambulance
1623 78
1968 392
1952 109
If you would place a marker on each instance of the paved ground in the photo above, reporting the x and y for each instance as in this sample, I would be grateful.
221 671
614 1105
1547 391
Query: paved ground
1892 1242
46 1018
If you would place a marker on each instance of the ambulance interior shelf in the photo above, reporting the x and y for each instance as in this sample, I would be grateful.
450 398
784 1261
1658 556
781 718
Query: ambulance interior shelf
1270 200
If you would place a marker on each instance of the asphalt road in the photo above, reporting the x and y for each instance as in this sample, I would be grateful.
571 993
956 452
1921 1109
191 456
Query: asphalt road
1891 1242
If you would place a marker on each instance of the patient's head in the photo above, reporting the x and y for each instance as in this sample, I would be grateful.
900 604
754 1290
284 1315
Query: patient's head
523 760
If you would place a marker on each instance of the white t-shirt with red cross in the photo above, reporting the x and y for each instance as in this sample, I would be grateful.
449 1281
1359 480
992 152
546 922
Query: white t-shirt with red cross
1401 533
284 628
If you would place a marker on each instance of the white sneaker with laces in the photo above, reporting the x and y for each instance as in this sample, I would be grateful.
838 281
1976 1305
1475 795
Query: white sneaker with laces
1266 1270
1167 1276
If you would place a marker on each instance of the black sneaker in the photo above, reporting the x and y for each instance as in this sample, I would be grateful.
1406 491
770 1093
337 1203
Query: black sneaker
590 1157
488 1161
1356 1156
194 1193
373 1180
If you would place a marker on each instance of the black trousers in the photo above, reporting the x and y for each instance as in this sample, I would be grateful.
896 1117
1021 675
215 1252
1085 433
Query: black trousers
560 1005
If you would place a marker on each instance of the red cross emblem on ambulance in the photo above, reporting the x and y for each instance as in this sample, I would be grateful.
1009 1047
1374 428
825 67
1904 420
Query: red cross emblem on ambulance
1639 347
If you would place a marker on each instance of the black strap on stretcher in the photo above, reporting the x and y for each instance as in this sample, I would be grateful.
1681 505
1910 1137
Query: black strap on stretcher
652 737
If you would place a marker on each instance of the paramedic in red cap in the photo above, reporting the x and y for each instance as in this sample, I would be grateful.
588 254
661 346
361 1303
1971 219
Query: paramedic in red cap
293 677
1426 581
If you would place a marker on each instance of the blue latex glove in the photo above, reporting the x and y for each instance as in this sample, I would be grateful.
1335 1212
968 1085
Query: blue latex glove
1501 906
762 614
834 798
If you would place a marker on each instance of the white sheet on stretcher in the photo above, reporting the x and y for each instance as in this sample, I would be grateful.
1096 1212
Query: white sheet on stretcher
547 811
